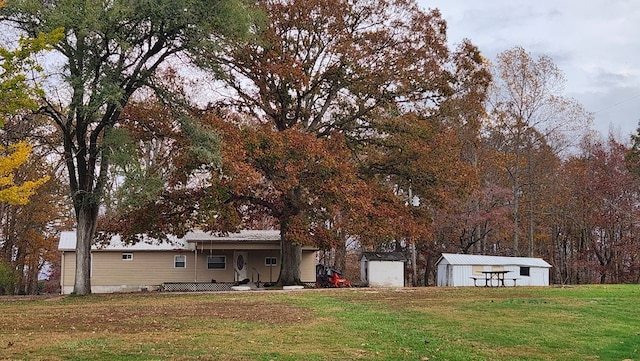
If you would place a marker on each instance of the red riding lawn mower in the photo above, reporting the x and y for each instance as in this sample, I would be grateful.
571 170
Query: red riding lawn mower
329 277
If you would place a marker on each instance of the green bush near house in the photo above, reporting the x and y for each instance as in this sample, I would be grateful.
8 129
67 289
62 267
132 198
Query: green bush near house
7 279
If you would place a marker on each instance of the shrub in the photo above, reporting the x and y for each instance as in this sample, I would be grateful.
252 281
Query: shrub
7 279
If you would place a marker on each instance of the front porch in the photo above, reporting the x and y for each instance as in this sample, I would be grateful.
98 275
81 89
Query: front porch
225 261
244 257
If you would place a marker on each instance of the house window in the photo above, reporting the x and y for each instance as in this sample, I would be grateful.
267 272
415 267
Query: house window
270 261
180 261
525 271
127 256
216 262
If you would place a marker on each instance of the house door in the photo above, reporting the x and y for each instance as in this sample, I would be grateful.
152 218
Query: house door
240 265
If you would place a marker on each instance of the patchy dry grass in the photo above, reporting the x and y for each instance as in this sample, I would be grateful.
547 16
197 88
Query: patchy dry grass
579 323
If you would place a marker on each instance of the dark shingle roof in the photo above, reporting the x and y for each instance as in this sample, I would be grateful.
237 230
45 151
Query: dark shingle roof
384 256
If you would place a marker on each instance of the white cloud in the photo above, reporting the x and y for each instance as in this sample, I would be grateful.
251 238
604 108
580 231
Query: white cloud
595 43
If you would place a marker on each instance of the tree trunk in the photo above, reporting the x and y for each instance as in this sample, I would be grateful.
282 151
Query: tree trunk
428 263
530 227
516 220
603 278
414 265
290 258
340 260
87 222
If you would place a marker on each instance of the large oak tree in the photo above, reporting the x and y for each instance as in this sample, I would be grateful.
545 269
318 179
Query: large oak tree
368 74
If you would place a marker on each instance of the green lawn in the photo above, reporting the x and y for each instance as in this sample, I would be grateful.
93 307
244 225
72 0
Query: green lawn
573 323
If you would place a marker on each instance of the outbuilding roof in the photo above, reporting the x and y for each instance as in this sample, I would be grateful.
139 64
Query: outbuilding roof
384 256
472 259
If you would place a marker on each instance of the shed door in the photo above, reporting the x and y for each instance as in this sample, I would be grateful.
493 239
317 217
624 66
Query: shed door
240 265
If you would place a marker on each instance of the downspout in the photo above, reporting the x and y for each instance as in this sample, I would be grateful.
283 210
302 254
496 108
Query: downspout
195 264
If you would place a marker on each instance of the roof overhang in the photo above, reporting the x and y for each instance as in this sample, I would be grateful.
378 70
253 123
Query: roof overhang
471 259
196 240
384 256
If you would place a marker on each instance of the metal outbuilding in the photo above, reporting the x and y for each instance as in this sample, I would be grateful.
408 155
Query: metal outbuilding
470 270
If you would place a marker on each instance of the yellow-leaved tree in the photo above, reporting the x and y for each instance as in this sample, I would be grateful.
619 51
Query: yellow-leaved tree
12 157
17 94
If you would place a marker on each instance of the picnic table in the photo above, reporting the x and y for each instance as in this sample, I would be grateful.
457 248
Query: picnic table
489 276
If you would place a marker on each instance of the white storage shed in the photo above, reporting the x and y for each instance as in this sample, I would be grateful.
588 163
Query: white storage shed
470 270
382 269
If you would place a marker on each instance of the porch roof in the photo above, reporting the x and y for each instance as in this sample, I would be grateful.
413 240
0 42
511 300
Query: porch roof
244 236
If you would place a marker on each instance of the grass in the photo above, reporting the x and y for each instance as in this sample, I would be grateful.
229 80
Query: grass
574 323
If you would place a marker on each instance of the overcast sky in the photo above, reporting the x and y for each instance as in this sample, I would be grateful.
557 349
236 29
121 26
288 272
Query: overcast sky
596 43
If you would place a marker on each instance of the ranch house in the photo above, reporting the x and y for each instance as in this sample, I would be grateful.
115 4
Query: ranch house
199 261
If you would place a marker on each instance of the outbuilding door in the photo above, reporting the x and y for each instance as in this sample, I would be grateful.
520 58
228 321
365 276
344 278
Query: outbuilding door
240 265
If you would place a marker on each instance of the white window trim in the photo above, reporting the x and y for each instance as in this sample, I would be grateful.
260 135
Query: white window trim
217 269
175 257
127 256
271 264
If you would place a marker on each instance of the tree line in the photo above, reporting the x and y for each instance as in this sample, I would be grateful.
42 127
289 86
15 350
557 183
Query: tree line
344 124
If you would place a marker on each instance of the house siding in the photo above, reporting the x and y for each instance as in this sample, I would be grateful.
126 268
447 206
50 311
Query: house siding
308 266
146 268
150 269
203 274
255 266
146 271
67 275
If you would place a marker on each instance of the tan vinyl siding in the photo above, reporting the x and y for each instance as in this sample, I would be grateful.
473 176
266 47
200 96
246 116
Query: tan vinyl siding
146 268
257 260
220 275
68 269
308 266
152 268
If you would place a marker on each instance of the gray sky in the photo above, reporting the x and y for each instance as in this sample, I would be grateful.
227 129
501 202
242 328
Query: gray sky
596 43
